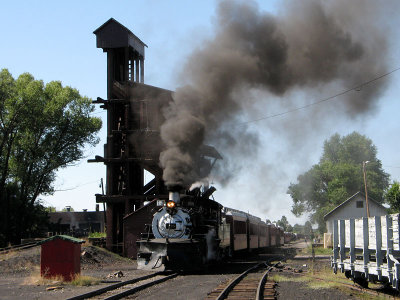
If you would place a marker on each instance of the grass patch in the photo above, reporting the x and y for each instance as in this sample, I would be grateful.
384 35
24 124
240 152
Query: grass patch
79 280
317 250
324 278
319 284
281 278
58 280
83 280
97 235
36 279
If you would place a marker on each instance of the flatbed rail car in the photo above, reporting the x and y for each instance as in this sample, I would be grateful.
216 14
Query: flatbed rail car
368 249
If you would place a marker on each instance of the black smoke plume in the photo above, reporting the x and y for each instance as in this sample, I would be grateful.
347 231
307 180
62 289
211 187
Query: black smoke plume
308 44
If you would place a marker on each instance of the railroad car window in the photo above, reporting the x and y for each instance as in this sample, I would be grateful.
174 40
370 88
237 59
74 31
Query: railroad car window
239 227
360 204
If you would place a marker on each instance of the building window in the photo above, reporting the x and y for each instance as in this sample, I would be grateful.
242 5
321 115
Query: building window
360 204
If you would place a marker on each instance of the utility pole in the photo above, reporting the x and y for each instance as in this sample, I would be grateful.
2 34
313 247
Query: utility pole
104 204
365 185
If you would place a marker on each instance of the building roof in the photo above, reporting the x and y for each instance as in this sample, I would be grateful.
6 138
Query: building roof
112 20
62 237
350 199
66 217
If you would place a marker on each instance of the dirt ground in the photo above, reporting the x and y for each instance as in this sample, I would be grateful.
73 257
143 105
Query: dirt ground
20 274
291 288
302 277
20 277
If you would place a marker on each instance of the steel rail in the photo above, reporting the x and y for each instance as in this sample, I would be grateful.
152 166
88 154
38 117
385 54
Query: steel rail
260 288
18 247
233 283
141 287
114 286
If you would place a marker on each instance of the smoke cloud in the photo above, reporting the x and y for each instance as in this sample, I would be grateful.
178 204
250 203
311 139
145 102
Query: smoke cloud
308 45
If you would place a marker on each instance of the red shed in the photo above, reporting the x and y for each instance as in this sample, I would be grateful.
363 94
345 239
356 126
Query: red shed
61 256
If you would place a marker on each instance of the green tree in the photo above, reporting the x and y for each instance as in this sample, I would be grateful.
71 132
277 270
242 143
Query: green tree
338 176
308 231
298 228
392 197
68 208
50 209
43 127
283 222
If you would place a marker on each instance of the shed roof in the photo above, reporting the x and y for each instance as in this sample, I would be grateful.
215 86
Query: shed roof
350 199
62 237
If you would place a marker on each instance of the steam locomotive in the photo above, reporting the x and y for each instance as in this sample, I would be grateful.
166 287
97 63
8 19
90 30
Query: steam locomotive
190 230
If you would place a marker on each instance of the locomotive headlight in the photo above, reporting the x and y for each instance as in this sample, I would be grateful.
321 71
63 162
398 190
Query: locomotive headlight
171 204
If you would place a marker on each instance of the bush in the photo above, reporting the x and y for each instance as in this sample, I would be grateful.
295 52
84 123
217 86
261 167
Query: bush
97 235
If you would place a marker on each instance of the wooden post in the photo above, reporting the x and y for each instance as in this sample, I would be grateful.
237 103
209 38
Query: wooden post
342 240
352 245
378 251
126 64
365 248
395 235
389 243
141 70
110 226
335 246
137 69
108 147
366 189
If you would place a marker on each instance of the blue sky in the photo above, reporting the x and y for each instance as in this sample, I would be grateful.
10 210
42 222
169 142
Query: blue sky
53 40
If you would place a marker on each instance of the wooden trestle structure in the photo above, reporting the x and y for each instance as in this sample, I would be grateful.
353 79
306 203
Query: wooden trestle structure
134 118
133 123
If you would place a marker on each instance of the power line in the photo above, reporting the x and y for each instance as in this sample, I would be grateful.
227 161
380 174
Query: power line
75 187
356 88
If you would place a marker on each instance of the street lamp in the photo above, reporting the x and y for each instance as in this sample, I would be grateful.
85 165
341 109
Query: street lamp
365 185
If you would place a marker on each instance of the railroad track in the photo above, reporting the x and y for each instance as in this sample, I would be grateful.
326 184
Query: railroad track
18 247
251 284
126 288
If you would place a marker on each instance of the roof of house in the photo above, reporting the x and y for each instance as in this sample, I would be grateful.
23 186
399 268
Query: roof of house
350 199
